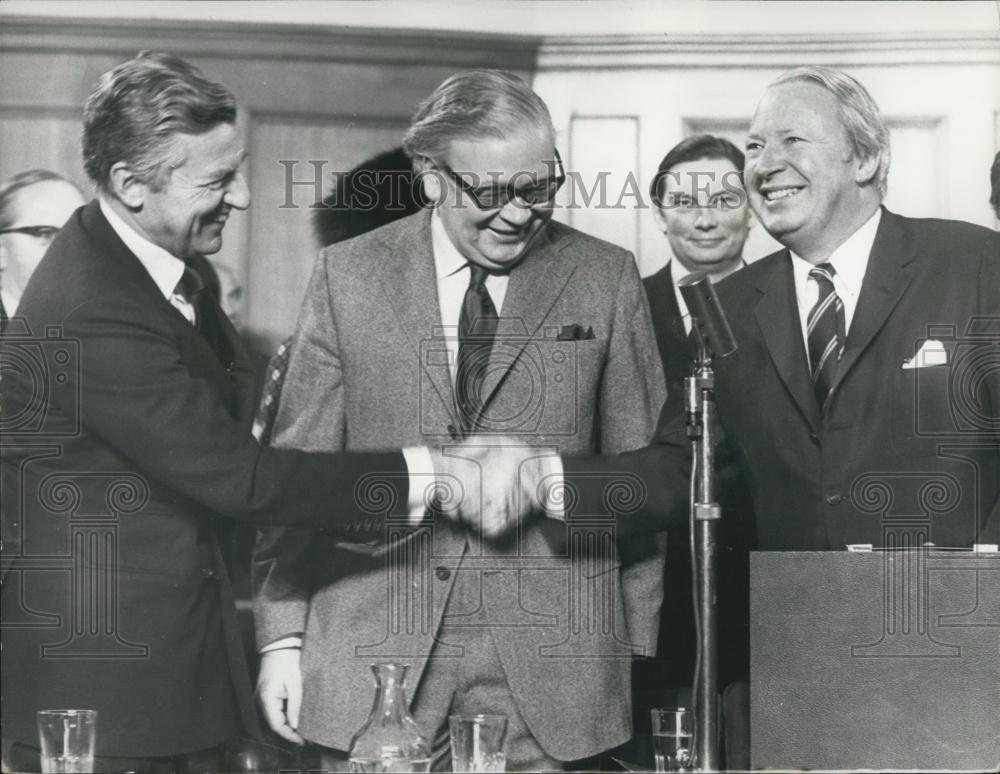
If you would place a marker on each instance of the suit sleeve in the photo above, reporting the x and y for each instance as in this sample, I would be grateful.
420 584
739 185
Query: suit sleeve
632 390
633 386
310 416
133 388
646 489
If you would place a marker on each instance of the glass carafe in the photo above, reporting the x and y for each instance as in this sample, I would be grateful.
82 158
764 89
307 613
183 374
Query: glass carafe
390 740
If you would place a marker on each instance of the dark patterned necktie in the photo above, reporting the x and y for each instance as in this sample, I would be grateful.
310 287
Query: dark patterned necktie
208 316
188 291
825 333
477 327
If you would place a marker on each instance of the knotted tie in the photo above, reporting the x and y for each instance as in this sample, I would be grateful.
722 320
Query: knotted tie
477 327
825 333
185 296
194 299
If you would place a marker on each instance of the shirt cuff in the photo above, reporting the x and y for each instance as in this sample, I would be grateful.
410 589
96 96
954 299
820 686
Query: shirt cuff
422 481
283 644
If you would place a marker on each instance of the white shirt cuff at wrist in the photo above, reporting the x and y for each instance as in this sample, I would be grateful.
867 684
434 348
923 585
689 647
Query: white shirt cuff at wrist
422 478
282 644
553 484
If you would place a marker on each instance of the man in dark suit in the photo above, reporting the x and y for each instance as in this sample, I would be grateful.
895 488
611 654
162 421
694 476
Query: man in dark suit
700 205
861 405
892 393
126 437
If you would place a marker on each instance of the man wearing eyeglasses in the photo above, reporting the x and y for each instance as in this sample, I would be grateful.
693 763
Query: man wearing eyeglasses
34 205
477 316
701 207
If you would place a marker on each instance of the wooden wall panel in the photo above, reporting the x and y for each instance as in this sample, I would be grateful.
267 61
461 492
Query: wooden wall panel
332 93
283 249
48 138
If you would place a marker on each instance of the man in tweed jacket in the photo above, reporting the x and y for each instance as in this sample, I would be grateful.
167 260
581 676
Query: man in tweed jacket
540 626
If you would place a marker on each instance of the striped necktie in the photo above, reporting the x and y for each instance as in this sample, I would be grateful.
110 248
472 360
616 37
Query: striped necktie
825 333
477 326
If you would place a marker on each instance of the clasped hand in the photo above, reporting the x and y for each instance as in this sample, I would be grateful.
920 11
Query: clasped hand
491 483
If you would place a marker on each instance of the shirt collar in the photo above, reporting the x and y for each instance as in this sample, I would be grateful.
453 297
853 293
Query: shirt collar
850 260
678 271
165 269
9 302
447 259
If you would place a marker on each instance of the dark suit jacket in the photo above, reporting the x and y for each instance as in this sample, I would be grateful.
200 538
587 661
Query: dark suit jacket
127 437
676 352
898 454
676 648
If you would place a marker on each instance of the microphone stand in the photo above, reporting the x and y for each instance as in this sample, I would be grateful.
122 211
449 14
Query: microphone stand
700 408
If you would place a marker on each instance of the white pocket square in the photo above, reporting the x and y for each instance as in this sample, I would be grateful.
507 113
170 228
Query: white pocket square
931 353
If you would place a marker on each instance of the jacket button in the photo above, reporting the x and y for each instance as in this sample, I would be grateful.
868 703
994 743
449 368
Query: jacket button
834 498
442 573
814 438
207 573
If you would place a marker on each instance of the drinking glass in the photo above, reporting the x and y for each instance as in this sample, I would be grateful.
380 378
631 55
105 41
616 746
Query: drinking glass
478 742
67 739
673 737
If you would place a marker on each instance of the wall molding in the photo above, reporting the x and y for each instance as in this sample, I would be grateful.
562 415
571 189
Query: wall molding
338 44
720 51
268 41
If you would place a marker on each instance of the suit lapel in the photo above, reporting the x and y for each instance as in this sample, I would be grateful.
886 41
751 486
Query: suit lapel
671 337
535 285
217 351
778 317
406 275
890 271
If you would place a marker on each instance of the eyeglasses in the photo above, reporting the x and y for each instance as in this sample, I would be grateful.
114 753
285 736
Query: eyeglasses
45 233
535 194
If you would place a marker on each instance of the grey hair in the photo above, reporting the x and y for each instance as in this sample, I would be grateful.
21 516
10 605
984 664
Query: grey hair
858 111
474 104
14 185
139 106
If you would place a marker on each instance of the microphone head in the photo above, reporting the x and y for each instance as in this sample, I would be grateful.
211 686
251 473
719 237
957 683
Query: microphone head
707 314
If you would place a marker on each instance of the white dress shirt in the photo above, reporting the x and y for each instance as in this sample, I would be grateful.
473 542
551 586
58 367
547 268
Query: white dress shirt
850 262
679 271
451 272
165 269
9 302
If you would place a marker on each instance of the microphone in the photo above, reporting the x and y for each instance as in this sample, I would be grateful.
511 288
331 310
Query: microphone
710 322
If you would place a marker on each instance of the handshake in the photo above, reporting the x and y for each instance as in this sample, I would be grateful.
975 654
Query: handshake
492 483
